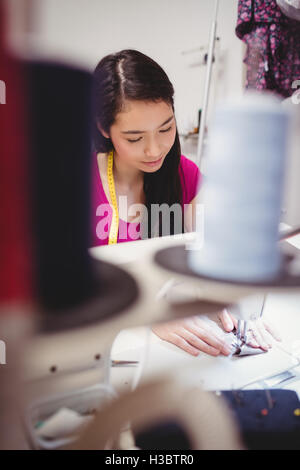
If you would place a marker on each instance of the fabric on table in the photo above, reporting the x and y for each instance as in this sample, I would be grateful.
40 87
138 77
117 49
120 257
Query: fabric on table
278 429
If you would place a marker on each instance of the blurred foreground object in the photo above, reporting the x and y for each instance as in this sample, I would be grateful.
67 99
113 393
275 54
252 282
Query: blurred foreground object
204 420
15 242
292 193
243 192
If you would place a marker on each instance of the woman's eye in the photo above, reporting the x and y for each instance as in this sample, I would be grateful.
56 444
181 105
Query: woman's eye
166 130
132 141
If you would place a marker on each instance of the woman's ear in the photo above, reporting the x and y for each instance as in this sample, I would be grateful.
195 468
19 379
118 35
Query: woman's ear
102 131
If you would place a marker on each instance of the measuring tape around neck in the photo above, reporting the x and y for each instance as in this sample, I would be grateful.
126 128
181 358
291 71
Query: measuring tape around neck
114 228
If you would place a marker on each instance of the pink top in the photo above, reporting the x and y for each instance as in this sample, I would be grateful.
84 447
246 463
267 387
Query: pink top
190 178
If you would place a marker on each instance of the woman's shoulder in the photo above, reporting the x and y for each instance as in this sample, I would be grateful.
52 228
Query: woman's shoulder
191 177
188 169
188 165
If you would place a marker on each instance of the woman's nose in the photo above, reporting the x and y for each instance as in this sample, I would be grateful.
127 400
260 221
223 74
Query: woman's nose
152 149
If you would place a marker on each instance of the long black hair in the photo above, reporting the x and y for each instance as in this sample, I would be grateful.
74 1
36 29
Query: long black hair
131 75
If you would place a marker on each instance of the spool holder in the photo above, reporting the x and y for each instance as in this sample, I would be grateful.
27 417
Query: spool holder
175 259
103 304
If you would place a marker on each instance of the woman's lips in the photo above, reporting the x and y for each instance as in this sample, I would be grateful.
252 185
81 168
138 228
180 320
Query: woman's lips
154 163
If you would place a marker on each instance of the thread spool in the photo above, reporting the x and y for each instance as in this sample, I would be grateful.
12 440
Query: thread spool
73 289
60 104
243 191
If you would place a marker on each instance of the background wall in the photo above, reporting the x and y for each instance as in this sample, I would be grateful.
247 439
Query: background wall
84 31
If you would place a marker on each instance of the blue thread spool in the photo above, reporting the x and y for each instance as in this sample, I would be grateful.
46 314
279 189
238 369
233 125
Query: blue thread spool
243 191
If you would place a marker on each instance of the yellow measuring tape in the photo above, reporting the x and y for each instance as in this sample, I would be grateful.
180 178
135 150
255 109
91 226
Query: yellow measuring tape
114 228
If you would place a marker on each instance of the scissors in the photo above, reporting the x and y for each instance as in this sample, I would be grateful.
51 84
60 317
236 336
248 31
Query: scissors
124 363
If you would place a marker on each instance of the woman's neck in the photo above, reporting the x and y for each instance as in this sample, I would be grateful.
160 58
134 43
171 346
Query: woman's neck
126 175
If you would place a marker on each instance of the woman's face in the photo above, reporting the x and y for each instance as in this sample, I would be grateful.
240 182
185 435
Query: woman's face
143 134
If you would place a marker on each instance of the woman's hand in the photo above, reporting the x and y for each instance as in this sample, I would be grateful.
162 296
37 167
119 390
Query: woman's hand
260 333
193 335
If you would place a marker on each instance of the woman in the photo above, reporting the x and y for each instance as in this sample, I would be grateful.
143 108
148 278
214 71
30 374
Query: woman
138 167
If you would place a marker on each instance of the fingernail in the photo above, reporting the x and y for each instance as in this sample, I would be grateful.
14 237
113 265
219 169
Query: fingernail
229 325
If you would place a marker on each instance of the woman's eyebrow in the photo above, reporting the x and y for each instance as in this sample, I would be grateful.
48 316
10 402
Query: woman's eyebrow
142 132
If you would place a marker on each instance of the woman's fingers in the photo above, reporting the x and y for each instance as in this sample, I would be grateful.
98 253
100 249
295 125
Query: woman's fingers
181 343
271 329
251 341
228 321
264 332
192 336
260 335
195 335
203 331
173 332
192 344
